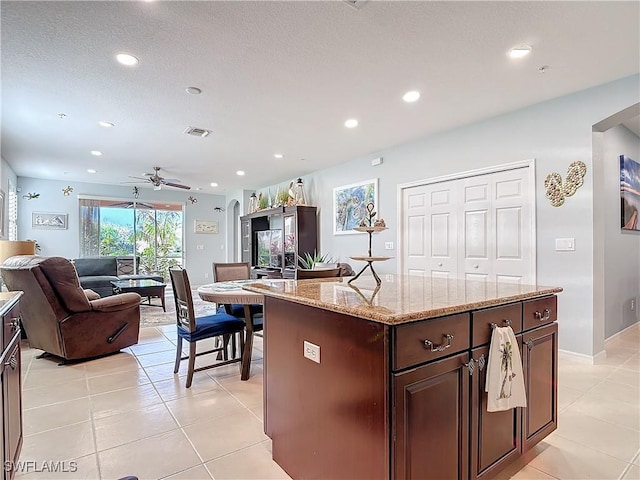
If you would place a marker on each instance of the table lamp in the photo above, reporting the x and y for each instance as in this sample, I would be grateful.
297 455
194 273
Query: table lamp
9 248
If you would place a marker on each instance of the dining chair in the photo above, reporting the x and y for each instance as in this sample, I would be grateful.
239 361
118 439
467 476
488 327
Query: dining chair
303 273
193 329
225 272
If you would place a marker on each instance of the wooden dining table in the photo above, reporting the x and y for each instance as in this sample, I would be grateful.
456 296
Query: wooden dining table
231 292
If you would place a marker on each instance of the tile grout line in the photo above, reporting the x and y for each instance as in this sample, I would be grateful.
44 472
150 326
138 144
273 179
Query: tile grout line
629 465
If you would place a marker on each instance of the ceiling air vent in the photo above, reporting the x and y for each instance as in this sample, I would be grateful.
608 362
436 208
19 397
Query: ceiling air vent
197 132
357 4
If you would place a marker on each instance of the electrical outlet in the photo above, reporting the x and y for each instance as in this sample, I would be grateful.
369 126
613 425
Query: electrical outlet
206 275
633 304
312 352
199 247
388 245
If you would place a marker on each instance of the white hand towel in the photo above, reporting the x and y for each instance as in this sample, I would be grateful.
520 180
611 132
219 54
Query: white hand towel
505 382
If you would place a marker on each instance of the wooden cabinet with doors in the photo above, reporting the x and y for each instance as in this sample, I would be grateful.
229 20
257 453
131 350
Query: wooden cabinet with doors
11 376
272 240
431 371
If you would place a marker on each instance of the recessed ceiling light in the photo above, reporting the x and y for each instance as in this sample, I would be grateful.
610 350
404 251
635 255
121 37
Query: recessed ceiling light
126 59
520 51
106 124
411 96
278 155
193 90
213 184
351 123
96 153
240 172
91 170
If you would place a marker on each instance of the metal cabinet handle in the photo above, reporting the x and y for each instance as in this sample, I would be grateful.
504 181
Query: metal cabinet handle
470 366
529 343
506 321
481 362
439 348
15 323
12 362
440 264
475 266
544 316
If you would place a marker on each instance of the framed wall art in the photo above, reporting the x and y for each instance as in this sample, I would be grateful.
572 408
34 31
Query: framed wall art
629 193
205 226
49 221
350 205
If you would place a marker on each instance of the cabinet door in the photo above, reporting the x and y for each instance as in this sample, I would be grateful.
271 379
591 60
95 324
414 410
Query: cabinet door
495 436
431 421
540 363
12 402
245 238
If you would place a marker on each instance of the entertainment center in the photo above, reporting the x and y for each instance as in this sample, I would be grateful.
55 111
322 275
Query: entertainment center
273 239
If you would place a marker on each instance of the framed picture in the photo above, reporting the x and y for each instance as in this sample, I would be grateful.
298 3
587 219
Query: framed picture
629 193
205 226
350 205
50 221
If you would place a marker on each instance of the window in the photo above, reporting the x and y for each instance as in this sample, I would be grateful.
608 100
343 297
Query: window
112 227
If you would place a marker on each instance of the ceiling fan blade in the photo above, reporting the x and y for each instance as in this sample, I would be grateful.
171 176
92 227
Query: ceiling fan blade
171 180
177 185
139 178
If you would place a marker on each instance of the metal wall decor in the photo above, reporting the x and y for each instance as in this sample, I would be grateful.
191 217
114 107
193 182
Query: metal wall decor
31 196
67 190
557 190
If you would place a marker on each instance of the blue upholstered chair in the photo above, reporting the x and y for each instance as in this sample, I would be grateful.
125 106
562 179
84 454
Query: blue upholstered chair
192 328
225 272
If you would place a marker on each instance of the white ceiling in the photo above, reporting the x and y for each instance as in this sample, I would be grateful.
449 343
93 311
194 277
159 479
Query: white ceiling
280 77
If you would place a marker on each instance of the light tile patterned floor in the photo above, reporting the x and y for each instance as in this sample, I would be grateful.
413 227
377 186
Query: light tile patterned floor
127 414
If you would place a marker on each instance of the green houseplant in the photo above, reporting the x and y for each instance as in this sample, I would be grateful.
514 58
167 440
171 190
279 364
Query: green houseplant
309 261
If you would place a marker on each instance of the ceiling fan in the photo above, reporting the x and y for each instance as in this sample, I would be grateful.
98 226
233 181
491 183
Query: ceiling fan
157 181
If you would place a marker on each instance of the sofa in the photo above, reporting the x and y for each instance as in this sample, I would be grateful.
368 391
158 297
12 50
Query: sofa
97 273
59 318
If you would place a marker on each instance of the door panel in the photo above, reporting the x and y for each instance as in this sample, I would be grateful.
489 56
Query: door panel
477 227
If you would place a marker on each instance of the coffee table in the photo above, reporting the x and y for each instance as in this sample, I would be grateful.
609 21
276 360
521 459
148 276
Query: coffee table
144 288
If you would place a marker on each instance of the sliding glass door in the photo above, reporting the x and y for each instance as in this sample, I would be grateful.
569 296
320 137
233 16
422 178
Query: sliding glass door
118 228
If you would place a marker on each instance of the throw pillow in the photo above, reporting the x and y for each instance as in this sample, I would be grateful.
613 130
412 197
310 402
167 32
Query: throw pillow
125 266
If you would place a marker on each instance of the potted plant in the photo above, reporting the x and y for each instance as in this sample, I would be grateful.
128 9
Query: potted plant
315 261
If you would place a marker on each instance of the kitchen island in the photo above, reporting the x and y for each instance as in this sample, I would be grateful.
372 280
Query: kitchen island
364 382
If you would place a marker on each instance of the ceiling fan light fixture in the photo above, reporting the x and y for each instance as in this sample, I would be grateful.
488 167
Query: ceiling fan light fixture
157 187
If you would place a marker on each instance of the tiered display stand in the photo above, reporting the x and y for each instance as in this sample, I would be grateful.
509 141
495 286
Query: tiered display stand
369 258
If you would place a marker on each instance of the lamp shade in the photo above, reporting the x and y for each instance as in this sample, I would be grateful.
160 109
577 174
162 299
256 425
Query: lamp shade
9 248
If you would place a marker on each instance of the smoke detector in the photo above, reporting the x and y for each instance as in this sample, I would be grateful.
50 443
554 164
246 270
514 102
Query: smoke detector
197 132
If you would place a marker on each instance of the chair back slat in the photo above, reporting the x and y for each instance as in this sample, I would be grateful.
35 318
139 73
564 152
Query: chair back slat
225 272
185 316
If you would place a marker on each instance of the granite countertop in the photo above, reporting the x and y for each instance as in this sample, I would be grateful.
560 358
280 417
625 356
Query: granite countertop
399 299
7 299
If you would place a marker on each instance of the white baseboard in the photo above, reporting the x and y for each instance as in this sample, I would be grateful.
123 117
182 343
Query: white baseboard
615 336
583 358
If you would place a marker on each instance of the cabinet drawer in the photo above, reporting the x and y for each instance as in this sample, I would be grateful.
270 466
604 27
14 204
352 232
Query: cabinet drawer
421 342
10 325
501 316
540 312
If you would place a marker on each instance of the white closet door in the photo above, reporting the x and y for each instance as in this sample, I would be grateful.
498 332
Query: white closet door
430 243
475 228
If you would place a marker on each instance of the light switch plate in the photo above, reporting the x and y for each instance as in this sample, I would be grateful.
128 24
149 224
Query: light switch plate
565 244
312 351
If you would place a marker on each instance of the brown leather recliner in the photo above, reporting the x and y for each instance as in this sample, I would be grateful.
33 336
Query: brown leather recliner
57 315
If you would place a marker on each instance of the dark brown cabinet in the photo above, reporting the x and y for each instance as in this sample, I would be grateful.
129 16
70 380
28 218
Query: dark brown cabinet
540 364
432 372
10 374
431 420
495 436
274 239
